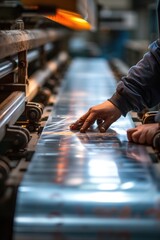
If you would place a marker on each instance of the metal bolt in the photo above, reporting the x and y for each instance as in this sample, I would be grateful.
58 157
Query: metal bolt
19 24
22 64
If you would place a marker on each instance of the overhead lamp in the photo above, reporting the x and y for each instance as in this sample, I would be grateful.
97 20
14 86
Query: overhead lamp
75 14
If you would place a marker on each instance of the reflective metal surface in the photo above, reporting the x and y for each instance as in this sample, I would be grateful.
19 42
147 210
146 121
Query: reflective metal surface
10 110
37 80
87 186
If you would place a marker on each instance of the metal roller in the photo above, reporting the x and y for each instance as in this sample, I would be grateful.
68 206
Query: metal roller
11 109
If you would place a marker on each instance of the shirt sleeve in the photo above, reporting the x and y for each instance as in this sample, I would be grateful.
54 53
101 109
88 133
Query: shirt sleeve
141 87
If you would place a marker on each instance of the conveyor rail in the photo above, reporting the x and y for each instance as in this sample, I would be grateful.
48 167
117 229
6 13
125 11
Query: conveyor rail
14 41
37 80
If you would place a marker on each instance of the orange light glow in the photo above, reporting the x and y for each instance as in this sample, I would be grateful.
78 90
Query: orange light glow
70 19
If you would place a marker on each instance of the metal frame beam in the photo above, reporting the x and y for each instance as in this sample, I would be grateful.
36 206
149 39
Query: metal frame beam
14 41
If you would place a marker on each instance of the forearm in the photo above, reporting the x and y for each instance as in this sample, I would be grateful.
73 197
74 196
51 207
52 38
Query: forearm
141 87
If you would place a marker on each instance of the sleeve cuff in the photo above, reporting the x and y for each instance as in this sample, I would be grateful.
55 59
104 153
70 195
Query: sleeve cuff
121 103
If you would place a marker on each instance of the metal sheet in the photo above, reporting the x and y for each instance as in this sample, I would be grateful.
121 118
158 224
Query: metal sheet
92 185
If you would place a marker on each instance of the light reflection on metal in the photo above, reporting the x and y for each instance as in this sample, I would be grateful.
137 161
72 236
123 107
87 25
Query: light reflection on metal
10 110
101 168
128 185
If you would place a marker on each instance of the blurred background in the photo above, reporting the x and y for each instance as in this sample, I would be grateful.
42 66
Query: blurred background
125 29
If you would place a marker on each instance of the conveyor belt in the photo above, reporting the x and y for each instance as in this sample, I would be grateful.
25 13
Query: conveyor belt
87 186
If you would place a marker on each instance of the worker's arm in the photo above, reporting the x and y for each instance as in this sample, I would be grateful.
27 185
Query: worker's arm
141 87
138 90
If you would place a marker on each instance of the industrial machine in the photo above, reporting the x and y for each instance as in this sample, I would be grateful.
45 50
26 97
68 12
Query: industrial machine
54 183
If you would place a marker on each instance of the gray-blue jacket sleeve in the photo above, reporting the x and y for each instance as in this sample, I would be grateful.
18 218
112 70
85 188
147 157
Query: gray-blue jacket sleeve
141 87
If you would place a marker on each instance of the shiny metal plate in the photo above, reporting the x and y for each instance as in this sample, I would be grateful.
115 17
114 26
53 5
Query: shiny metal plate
92 185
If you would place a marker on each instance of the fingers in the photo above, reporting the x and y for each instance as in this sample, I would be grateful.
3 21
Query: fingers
142 134
129 133
84 122
104 126
149 138
142 137
146 136
133 135
88 119
79 123
105 114
136 136
88 122
100 126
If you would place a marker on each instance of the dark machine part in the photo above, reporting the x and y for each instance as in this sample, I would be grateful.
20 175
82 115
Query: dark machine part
11 173
136 4
31 117
51 84
149 117
7 199
153 117
12 10
34 111
14 15
156 141
4 173
43 96
16 138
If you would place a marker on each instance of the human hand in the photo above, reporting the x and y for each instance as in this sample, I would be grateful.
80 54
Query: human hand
143 134
105 113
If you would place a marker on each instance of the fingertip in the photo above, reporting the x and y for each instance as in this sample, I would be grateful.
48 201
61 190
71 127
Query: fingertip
82 130
134 137
102 129
73 127
129 137
130 130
